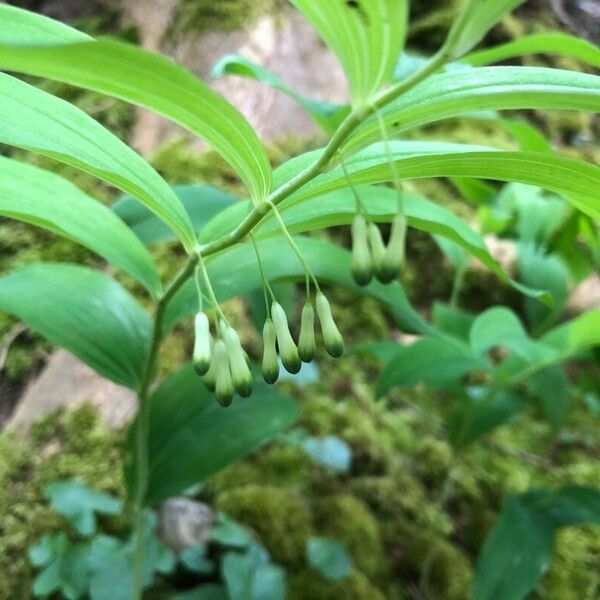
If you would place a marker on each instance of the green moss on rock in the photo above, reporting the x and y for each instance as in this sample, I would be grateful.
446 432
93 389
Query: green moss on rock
281 519
62 446
347 519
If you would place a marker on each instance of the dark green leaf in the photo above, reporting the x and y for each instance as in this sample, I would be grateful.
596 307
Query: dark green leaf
187 424
230 533
451 320
433 361
481 414
551 387
84 311
515 555
201 202
194 559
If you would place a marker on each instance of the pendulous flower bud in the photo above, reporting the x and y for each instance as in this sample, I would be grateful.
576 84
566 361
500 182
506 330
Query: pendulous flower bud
224 382
377 248
394 254
332 338
202 344
270 364
210 378
240 372
287 347
362 266
306 341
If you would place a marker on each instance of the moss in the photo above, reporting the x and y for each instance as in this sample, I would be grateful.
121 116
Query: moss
308 584
345 518
432 459
223 15
280 518
574 572
62 446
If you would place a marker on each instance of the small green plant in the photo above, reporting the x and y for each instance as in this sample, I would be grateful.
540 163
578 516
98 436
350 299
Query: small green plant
234 248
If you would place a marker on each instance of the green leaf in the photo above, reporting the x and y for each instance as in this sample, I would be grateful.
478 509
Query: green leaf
249 579
367 36
84 311
551 387
553 43
455 93
201 202
235 272
577 335
381 204
194 559
46 32
41 123
500 326
79 504
569 505
325 115
48 201
205 592
474 20
329 558
433 361
452 320
47 548
187 424
481 414
515 554
230 533
67 574
330 452
576 180
149 80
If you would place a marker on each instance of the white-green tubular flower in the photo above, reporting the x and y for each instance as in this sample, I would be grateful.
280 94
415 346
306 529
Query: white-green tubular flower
332 338
202 344
377 248
270 364
224 382
240 372
287 347
210 377
362 265
306 341
394 254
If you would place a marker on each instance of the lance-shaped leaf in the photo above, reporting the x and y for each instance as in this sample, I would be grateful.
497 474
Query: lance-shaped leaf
381 204
41 123
84 311
201 202
455 93
187 424
474 20
367 36
553 43
576 180
148 80
235 272
48 201
325 115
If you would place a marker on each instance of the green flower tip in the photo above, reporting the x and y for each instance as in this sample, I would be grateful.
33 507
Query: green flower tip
240 371
224 382
202 345
332 338
287 347
270 364
306 341
394 254
362 265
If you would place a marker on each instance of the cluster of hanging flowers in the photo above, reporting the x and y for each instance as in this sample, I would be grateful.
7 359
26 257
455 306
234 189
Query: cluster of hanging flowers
220 358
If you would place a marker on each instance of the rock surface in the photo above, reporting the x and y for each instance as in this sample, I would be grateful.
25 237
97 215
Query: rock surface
66 383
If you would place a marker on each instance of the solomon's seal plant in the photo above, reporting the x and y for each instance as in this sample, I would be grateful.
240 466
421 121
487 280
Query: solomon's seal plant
258 240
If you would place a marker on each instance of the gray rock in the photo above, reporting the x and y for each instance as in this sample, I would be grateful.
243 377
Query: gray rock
184 523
